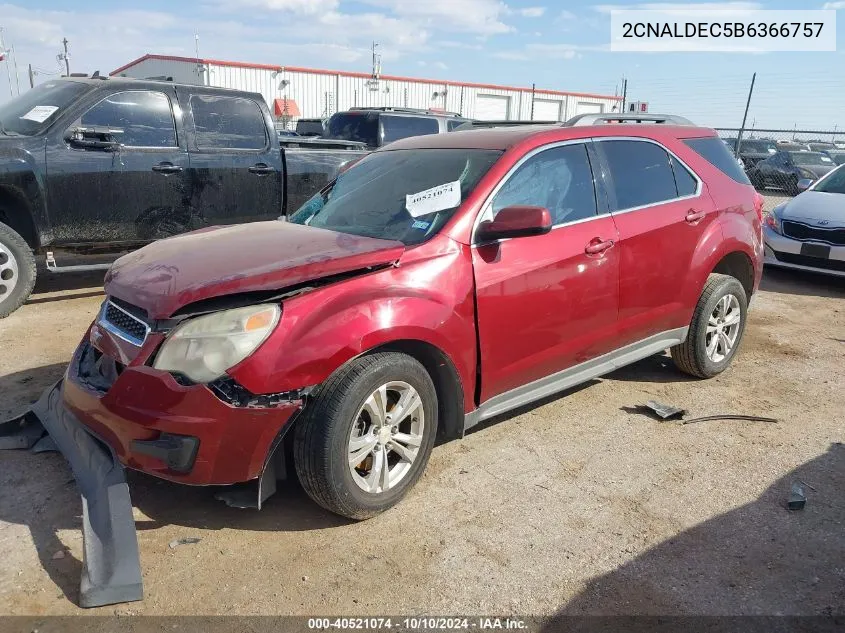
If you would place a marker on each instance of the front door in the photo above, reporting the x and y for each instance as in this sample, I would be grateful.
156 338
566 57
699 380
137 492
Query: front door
132 193
662 213
237 167
544 302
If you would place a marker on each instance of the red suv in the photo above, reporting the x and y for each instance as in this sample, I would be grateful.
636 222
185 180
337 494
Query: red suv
438 282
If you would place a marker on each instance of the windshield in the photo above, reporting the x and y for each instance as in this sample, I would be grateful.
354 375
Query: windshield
760 147
834 182
811 158
405 195
353 126
35 109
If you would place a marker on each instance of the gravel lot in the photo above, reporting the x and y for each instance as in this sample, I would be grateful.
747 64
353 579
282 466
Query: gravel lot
572 506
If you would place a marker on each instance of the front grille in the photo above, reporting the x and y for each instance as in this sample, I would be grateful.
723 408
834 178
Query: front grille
814 262
799 231
121 322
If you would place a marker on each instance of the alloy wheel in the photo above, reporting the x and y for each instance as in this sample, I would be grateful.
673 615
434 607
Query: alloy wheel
9 273
723 328
386 437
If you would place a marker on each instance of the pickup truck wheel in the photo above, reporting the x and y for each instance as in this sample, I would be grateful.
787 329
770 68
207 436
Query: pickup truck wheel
367 435
17 271
716 329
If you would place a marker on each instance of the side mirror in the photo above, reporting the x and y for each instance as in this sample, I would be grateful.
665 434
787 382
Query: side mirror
516 221
804 184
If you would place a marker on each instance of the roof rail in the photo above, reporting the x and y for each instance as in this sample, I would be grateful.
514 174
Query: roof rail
408 110
473 125
599 119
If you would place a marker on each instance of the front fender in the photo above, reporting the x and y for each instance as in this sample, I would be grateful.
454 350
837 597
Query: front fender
22 182
428 298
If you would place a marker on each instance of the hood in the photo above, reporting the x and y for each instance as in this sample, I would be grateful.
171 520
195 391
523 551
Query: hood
817 170
814 206
169 274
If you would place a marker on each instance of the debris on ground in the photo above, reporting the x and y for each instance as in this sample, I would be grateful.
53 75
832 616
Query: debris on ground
668 412
797 498
190 540
59 555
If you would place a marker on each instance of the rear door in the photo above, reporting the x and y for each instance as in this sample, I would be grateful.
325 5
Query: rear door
544 304
138 192
661 212
236 165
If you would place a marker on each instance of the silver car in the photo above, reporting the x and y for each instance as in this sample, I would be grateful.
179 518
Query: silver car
808 232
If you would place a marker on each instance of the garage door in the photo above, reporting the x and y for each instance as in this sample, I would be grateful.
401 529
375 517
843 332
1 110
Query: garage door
584 107
546 110
492 107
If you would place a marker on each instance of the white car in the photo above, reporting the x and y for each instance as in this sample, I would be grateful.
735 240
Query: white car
808 232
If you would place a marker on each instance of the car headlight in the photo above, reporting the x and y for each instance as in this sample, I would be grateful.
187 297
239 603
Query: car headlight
204 348
772 219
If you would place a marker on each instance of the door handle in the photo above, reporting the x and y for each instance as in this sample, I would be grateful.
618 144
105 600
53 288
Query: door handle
261 169
167 168
597 246
693 216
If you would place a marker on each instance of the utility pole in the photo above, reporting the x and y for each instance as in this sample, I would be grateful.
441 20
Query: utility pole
624 93
67 61
17 75
31 77
745 116
533 88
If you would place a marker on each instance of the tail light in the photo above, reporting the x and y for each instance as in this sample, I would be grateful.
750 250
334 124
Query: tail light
758 205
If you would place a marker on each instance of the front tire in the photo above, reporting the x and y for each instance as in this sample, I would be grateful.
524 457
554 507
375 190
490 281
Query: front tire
17 271
716 329
366 436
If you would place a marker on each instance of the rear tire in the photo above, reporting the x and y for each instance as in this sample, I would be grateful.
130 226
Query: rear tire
17 271
716 329
346 420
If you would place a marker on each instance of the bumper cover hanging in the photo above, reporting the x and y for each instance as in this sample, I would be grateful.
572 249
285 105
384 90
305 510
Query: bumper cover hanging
111 564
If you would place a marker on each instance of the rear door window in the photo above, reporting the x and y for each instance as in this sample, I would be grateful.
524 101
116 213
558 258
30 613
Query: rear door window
684 180
353 126
396 127
228 123
135 118
641 173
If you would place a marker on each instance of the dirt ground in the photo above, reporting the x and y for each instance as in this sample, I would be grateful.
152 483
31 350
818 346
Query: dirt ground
573 506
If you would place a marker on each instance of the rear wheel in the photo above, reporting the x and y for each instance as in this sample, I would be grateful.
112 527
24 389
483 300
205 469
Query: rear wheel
716 329
367 435
17 271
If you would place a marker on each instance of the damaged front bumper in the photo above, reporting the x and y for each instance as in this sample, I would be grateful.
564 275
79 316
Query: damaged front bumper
111 565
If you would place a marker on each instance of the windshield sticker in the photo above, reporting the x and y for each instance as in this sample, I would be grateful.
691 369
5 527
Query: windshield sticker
419 224
436 199
39 114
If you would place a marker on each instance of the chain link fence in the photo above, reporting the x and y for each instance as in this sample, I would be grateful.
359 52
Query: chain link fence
780 163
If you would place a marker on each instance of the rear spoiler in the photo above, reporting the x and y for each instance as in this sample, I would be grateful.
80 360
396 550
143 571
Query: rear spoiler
306 142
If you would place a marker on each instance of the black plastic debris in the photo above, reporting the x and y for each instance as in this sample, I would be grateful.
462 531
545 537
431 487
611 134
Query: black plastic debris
189 540
21 432
797 499
668 412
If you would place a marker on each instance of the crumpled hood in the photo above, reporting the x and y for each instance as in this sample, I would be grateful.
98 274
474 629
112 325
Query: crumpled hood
169 274
813 206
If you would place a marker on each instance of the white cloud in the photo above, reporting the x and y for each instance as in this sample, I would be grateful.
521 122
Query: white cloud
537 52
713 7
483 17
302 7
440 66
834 5
565 16
514 56
532 12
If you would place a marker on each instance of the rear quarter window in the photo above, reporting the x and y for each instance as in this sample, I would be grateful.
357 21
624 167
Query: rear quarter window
714 152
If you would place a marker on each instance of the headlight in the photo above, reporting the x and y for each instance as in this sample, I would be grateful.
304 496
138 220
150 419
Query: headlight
205 347
773 218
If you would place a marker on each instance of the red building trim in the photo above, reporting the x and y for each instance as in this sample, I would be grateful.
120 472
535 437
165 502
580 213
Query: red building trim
344 73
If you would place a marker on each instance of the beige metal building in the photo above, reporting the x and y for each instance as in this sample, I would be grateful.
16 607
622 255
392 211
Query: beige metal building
294 92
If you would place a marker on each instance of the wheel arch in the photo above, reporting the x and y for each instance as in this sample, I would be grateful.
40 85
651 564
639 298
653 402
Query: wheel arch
16 213
738 265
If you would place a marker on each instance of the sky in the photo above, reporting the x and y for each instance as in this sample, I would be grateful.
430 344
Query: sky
511 42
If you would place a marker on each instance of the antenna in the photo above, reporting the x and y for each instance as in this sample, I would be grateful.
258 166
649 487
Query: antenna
376 62
199 68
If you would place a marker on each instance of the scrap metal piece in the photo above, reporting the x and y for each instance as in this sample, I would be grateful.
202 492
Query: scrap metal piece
750 418
665 411
111 564
187 540
797 498
45 445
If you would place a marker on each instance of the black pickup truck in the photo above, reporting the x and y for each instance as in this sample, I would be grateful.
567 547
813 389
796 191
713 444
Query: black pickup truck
93 167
